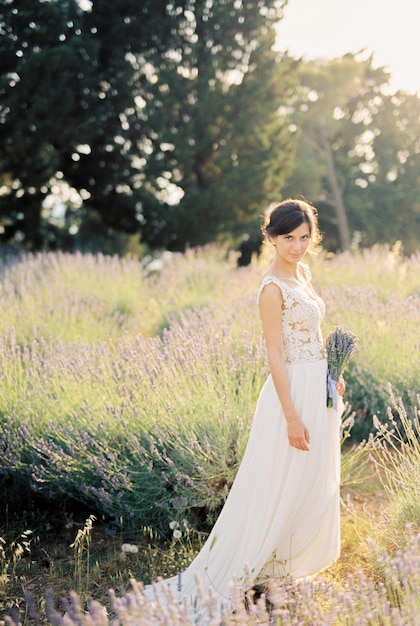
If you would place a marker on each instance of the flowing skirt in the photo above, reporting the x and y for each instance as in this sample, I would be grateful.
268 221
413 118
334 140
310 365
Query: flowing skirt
282 514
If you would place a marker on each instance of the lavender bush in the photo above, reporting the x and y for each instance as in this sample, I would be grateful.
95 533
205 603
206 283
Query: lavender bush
397 460
146 429
376 293
89 298
382 267
140 429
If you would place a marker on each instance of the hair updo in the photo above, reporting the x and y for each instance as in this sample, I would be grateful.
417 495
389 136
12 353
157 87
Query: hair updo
285 217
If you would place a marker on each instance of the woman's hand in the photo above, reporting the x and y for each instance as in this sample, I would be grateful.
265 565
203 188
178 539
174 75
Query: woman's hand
298 434
341 386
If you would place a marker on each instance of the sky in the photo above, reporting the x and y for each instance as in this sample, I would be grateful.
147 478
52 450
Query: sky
390 29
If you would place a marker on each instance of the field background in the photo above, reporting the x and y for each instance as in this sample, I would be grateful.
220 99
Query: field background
127 391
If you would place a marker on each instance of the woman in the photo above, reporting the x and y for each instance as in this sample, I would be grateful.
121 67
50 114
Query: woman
282 514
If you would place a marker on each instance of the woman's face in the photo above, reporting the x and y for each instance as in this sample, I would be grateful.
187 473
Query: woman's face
293 246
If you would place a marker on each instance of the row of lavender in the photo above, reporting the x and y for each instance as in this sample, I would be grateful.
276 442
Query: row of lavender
129 387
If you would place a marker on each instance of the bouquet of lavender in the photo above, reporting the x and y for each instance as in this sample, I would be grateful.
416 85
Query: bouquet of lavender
341 346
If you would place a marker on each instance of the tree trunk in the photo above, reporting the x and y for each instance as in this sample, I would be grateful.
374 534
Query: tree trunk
336 196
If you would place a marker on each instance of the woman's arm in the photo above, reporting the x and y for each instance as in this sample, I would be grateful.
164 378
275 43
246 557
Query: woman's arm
270 305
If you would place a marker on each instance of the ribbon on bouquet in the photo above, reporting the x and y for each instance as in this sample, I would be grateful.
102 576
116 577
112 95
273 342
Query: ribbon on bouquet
332 393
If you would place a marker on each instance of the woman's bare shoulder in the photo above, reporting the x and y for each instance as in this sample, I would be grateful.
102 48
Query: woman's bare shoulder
271 287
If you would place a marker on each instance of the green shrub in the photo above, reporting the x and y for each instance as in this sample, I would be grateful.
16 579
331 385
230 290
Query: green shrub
130 387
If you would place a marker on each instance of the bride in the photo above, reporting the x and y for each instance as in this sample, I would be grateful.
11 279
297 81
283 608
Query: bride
282 514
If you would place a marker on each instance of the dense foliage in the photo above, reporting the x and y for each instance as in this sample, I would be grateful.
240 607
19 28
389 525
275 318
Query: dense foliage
156 118
166 124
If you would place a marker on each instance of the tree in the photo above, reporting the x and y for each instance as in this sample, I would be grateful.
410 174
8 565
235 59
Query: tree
358 154
159 117
63 91
390 207
219 148
334 108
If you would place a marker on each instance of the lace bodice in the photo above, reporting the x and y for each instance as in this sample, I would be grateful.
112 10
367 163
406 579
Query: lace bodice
302 317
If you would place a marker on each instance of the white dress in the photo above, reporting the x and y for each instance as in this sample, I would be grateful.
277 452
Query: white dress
282 514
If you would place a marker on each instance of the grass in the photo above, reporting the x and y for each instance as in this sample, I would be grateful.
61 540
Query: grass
127 392
364 515
84 557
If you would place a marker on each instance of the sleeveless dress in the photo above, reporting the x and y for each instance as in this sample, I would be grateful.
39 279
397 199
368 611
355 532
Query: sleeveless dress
282 514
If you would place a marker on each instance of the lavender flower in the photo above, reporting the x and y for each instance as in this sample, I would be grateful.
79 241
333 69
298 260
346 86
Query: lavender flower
341 346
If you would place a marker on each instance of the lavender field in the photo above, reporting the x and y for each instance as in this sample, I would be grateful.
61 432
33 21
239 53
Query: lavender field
127 390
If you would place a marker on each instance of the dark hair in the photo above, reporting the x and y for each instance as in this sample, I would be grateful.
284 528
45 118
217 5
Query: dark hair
285 217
